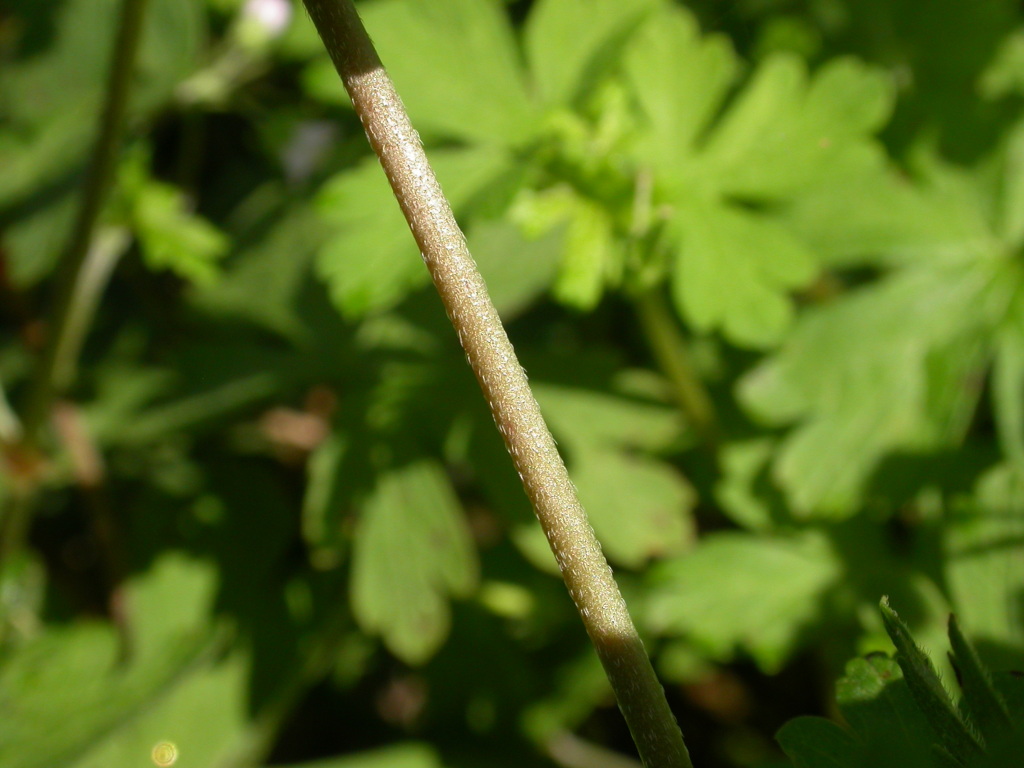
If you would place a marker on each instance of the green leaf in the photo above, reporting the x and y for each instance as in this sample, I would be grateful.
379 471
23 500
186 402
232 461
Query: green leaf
781 134
640 508
814 742
680 81
902 716
580 685
173 46
204 383
1008 387
81 662
203 717
1004 74
568 42
983 566
412 549
34 242
591 254
782 138
1004 747
49 100
767 591
785 134
107 710
588 250
584 419
888 728
1010 686
983 703
743 464
173 238
403 755
733 269
324 502
369 261
876 702
320 80
884 219
517 269
929 692
1009 222
273 263
924 333
917 339
456 65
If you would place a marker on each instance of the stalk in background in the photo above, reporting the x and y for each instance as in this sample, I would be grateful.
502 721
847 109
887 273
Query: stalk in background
75 287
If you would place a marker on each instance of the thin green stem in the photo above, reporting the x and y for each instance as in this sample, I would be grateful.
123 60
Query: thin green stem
670 351
55 368
503 381
75 286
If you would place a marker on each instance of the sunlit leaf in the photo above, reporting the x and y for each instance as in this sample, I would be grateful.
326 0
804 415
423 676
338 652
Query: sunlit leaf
412 551
369 260
165 689
908 327
984 567
568 41
767 591
172 238
680 80
456 65
640 508
785 134
733 270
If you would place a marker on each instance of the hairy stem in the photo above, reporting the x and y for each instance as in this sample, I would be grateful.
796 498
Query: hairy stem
516 413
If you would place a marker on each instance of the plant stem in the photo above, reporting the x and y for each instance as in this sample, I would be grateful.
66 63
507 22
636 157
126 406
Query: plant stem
516 413
669 349
55 368
75 291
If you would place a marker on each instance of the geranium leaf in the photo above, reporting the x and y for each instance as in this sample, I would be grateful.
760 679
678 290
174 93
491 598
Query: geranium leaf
412 551
568 41
767 591
640 508
733 269
113 714
915 333
369 260
680 81
456 65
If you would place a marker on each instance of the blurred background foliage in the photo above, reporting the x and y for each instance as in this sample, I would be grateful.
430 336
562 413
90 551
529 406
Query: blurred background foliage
762 260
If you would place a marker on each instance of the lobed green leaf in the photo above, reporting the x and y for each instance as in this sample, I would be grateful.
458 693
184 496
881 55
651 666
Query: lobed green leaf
412 550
